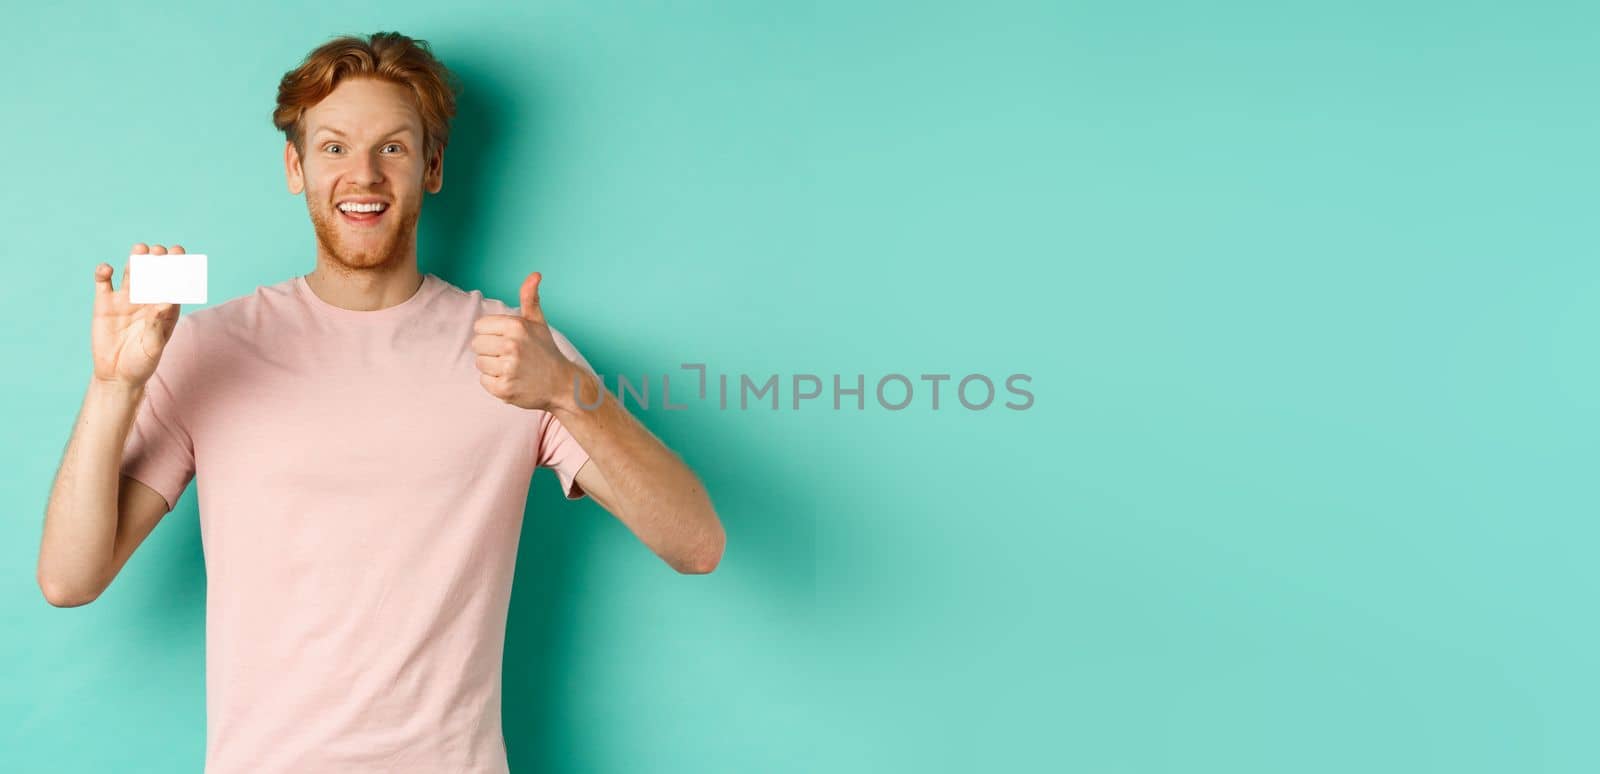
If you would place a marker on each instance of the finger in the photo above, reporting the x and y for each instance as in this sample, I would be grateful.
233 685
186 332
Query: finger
492 345
530 298
139 248
497 324
493 366
102 279
177 249
154 250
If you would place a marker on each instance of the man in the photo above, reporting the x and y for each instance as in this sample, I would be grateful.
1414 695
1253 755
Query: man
364 436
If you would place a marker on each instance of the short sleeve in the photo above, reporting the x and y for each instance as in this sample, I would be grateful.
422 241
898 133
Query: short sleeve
558 450
159 452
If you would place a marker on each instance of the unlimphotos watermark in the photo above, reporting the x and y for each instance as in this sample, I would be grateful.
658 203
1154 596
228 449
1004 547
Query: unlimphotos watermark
894 392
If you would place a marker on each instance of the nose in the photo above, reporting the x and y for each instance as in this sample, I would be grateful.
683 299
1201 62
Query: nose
367 171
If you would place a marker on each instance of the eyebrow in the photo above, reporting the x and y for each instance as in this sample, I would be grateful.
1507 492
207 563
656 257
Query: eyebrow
331 130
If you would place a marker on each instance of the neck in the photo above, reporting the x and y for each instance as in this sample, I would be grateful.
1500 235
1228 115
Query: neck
364 290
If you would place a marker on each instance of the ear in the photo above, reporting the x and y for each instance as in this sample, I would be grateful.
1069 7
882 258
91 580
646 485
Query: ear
291 168
433 175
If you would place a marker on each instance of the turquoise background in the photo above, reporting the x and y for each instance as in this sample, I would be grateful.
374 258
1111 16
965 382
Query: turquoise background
1306 292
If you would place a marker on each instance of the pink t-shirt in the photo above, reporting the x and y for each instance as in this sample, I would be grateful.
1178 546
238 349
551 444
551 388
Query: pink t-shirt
361 497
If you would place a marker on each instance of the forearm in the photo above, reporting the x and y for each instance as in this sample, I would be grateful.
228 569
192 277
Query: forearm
80 524
658 496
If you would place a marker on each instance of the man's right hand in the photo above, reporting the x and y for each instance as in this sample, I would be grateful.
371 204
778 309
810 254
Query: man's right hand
129 338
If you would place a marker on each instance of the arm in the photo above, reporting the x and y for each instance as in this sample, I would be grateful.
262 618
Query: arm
629 472
639 480
95 517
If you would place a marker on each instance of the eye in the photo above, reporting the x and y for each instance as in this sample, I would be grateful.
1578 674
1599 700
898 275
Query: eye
396 146
330 145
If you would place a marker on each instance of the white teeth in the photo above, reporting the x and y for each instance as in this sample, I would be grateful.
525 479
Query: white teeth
353 207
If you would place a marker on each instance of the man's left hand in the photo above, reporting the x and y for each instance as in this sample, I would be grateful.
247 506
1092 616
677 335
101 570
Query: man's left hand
518 358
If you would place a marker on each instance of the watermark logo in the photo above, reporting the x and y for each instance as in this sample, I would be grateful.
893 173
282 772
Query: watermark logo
893 391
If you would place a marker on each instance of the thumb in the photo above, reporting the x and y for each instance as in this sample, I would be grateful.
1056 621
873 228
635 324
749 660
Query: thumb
530 298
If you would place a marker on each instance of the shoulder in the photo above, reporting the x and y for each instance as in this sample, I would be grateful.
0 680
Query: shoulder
487 305
480 303
454 296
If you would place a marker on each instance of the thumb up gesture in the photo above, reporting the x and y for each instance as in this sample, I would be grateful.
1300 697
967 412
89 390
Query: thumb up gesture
517 357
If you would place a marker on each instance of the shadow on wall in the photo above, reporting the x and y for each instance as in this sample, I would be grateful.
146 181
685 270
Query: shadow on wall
449 239
448 233
556 533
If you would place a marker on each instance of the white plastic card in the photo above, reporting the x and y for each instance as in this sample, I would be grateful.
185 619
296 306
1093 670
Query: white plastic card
174 278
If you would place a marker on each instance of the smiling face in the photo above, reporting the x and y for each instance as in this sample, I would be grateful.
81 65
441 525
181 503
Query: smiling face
363 144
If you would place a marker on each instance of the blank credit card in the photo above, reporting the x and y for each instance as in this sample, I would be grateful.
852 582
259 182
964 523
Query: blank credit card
174 278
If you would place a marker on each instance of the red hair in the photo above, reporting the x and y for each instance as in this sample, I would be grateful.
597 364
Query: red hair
387 56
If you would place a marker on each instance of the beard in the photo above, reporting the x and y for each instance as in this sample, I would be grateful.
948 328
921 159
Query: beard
382 249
